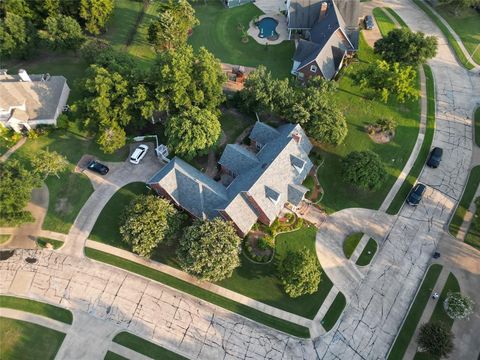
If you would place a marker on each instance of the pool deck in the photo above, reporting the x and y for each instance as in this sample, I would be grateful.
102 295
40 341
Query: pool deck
281 30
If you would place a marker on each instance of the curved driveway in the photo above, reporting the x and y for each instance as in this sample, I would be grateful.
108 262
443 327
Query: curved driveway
373 317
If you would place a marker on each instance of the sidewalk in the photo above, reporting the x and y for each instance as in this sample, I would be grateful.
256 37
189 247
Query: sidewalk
34 319
14 148
296 319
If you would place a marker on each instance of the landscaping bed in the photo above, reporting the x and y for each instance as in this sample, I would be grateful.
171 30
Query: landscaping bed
49 243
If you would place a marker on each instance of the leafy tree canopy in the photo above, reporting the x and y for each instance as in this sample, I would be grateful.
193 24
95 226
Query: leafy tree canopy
170 30
148 221
62 33
364 169
95 13
436 339
300 273
14 36
458 306
209 250
192 132
406 47
46 163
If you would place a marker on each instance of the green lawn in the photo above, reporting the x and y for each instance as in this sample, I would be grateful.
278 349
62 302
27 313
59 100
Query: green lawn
113 356
359 112
368 253
439 314
451 40
218 32
385 24
145 347
233 124
258 281
248 312
334 312
419 163
36 307
467 198
4 238
473 235
415 313
350 244
140 48
122 22
68 193
466 23
23 340
397 17
42 242
477 126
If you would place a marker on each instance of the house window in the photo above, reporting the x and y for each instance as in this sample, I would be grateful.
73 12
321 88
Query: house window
300 75
313 68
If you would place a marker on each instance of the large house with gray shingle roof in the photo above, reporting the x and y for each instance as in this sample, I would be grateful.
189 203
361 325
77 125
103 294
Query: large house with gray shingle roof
261 179
330 34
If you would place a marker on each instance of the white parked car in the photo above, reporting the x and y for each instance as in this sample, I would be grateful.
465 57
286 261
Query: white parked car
138 154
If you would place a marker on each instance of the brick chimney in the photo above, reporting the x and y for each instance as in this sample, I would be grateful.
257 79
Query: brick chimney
296 137
323 9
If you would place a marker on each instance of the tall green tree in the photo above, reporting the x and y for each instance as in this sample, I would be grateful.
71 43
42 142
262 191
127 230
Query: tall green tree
192 132
46 163
62 33
209 250
95 13
182 79
327 125
386 79
436 339
299 272
461 4
170 30
148 221
406 47
14 37
364 169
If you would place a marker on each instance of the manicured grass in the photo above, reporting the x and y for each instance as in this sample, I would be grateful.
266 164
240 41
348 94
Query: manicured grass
23 340
350 244
451 40
385 24
36 307
112 356
140 48
218 32
397 17
467 198
417 167
359 112
259 281
439 314
42 242
477 126
4 238
233 124
68 193
309 183
368 253
473 235
122 22
145 347
246 311
466 23
415 313
334 312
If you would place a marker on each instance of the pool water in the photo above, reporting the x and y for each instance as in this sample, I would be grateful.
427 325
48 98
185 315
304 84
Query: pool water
267 27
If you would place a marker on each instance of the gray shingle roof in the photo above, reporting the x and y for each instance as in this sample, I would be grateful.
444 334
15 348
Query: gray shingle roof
296 193
263 133
303 13
237 159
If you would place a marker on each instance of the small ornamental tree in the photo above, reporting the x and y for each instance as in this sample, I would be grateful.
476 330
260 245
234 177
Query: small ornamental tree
46 163
327 126
299 273
148 221
364 169
458 306
209 250
436 339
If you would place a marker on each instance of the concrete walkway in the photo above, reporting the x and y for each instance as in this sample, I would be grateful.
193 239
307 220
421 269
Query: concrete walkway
296 319
126 352
14 148
34 319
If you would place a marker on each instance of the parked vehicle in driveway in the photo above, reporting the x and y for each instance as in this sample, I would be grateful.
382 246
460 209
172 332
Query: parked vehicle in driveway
368 22
435 157
139 154
416 194
98 167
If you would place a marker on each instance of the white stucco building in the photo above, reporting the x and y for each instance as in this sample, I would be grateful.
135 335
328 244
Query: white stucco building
30 100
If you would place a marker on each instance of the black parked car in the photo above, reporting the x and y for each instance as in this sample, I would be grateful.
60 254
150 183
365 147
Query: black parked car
435 157
416 194
368 22
97 167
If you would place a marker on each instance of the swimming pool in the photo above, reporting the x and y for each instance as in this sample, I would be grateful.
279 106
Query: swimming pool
267 28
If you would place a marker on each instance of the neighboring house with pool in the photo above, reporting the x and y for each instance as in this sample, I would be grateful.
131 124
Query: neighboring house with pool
328 34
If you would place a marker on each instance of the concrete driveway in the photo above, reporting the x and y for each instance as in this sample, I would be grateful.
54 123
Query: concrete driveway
105 187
